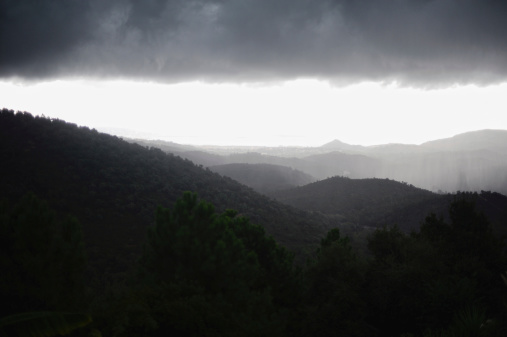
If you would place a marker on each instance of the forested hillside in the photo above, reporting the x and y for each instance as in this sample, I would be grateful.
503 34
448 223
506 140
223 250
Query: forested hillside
379 202
100 237
114 187
360 201
202 271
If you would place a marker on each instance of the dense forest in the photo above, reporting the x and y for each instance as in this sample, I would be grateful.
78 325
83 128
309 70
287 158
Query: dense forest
114 187
104 237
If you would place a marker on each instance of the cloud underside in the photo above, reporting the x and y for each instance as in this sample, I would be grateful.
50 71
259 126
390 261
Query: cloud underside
413 42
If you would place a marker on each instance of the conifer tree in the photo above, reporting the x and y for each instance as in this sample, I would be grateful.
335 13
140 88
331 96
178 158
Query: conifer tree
213 272
42 260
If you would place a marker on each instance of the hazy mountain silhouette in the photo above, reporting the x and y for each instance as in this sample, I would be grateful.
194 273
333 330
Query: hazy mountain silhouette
472 161
450 171
162 144
337 145
320 166
341 164
264 178
203 158
491 140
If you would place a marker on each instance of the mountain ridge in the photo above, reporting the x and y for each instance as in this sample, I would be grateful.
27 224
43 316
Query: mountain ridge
471 161
264 178
469 136
114 187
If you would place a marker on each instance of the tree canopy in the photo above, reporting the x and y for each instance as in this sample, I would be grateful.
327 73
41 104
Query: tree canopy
42 261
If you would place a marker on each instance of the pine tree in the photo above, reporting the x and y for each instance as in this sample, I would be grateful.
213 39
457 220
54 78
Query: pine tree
42 260
212 273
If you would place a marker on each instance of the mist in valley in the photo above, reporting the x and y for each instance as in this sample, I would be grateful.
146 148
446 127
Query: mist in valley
474 161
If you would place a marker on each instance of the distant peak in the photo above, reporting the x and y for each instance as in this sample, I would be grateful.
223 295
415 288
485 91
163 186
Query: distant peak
338 145
335 144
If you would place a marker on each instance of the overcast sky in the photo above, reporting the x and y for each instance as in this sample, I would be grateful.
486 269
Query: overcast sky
291 71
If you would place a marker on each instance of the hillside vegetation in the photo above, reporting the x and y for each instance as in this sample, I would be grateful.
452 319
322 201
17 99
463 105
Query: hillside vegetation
114 187
358 200
109 238
203 271
378 202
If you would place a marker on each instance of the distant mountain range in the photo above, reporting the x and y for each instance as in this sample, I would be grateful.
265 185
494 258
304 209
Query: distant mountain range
469 141
492 140
376 185
472 161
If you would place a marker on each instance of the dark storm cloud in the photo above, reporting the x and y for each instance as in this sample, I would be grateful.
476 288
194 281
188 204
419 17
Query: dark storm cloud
419 42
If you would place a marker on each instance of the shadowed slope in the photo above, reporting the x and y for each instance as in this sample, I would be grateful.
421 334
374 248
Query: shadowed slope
113 187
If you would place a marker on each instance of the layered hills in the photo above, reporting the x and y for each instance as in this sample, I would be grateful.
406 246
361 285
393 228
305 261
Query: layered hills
376 202
114 187
264 178
385 184
360 201
472 161
201 272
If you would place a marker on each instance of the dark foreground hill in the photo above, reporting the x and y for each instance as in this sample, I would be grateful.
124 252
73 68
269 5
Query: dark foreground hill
114 187
360 201
378 202
410 217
